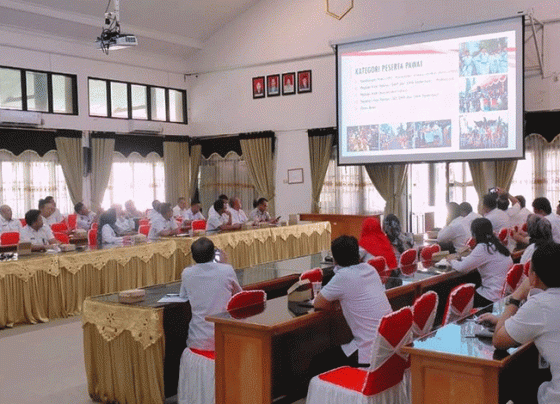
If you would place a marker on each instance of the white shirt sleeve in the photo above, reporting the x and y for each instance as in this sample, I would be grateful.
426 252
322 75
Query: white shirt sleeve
476 258
334 289
108 235
527 324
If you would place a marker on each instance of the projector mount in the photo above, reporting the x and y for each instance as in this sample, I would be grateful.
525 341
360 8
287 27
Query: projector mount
111 37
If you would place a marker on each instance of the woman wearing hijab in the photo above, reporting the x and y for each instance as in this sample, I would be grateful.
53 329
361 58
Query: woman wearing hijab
375 242
107 231
400 241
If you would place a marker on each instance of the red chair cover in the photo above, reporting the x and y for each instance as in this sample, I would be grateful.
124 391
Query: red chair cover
426 254
206 354
503 236
72 221
407 261
199 225
380 264
94 226
424 313
526 268
9 238
246 298
314 275
471 243
524 227
59 227
23 222
144 229
62 237
92 236
459 303
143 222
513 279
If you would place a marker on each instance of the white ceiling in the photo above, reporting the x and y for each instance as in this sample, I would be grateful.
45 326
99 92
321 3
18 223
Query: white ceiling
171 27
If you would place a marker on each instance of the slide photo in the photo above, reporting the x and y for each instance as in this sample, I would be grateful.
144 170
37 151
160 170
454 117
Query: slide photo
487 56
483 131
430 134
488 93
363 138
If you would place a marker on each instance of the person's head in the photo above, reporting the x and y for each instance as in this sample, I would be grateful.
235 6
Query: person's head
391 226
6 212
166 210
47 208
236 203
182 203
203 250
129 206
538 228
219 206
465 209
81 209
50 199
155 205
489 202
541 206
521 200
544 264
33 219
345 251
262 204
481 229
195 206
502 202
108 217
224 198
452 211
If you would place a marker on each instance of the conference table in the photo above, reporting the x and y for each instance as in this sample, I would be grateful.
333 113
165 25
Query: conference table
44 286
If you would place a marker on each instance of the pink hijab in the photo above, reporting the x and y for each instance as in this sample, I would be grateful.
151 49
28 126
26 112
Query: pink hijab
375 242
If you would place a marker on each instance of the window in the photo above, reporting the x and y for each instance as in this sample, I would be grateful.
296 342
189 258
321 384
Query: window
115 99
30 90
141 179
523 180
26 178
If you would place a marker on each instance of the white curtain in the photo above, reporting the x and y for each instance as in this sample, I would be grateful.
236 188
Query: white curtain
227 175
26 178
141 179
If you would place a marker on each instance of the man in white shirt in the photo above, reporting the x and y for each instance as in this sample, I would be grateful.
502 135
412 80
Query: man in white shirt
225 199
85 216
497 217
537 320
216 220
163 224
542 207
40 236
131 211
518 217
181 208
194 213
455 235
48 214
260 213
361 294
124 224
237 214
154 212
56 215
7 224
465 210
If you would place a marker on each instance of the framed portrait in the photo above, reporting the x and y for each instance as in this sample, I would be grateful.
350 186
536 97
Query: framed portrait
295 176
258 87
304 81
273 85
288 83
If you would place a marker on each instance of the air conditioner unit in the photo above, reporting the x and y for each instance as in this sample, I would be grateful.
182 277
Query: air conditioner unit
145 127
20 119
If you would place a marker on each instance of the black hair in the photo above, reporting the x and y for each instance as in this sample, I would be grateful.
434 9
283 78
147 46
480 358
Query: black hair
260 201
543 204
539 229
31 216
490 201
203 250
155 204
345 251
195 201
223 197
218 205
42 203
164 207
503 202
482 231
78 207
465 207
108 217
255 203
49 199
521 200
181 198
544 263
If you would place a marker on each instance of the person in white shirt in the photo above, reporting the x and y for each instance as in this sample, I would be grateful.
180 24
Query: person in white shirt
497 217
260 213
56 215
539 231
491 258
35 232
208 286
237 214
124 224
518 217
216 220
107 230
180 210
466 210
542 207
358 288
131 211
155 210
538 319
85 216
225 199
163 224
47 210
194 213
455 235
7 224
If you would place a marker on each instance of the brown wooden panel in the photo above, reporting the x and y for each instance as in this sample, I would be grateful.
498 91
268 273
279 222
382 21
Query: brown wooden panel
340 224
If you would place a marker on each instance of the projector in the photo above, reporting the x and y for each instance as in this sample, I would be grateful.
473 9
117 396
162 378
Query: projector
116 41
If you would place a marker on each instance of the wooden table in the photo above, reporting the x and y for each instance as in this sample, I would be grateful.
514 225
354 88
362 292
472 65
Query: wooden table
350 225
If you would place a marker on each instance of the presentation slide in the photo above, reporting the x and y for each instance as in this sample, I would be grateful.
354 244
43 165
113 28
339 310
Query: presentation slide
445 95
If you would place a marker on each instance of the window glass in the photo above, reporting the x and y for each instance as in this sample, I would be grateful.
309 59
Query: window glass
97 97
157 97
63 94
139 101
10 89
119 100
176 108
37 91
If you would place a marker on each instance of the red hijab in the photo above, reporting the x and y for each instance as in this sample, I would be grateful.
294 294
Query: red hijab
375 242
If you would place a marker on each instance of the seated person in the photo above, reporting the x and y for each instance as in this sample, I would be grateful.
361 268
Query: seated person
497 217
374 243
40 236
194 213
361 294
225 199
154 212
542 207
47 210
180 210
124 224
491 258
539 232
454 235
216 220
260 213
208 286
537 320
400 240
56 216
130 210
7 224
107 229
237 214
466 211
163 224
85 216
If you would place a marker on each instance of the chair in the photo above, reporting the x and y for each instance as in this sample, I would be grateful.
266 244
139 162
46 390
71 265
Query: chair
143 222
144 229
380 264
62 237
314 275
524 227
408 261
526 268
94 225
383 381
471 243
23 222
424 313
459 303
247 303
426 254
59 227
92 236
72 221
503 236
513 279
9 238
196 371
198 225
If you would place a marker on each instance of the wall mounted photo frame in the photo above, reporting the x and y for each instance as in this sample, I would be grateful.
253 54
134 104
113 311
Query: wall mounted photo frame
295 176
288 83
258 87
273 85
304 81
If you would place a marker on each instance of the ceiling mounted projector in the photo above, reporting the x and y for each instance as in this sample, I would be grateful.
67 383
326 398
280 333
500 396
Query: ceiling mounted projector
111 36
